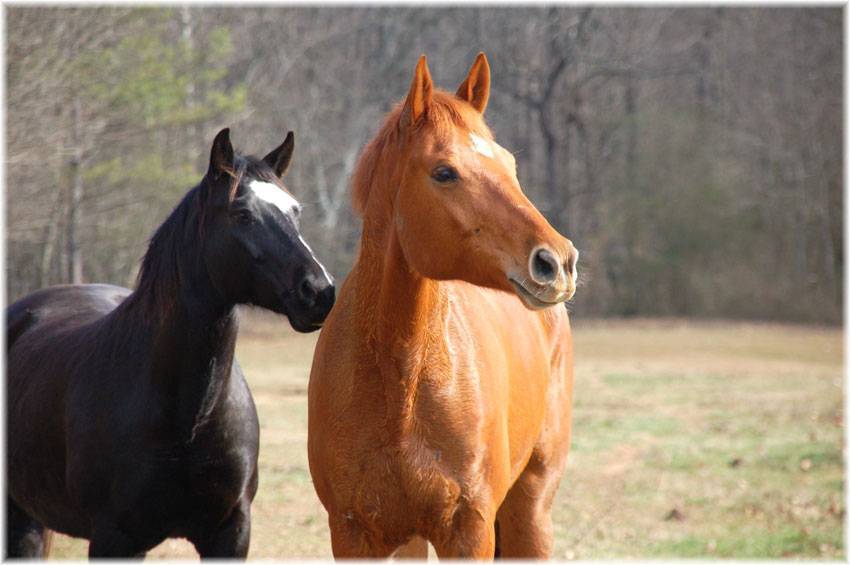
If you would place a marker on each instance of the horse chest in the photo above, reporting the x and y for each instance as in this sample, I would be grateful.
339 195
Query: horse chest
429 457
158 483
410 444
179 492
411 489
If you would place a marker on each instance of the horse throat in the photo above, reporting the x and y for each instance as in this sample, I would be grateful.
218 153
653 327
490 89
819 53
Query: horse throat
402 314
193 351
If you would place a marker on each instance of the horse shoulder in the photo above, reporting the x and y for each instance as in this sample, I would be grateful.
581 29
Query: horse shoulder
501 330
346 404
527 361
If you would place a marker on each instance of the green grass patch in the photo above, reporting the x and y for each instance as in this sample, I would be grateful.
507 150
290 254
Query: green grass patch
752 543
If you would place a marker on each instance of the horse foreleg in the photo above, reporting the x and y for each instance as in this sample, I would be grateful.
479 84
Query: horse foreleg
232 539
25 536
350 540
525 517
472 535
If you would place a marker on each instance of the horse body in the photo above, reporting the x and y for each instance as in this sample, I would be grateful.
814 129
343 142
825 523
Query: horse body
439 398
129 420
157 449
441 427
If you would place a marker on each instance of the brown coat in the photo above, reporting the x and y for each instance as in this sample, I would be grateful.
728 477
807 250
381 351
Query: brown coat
439 401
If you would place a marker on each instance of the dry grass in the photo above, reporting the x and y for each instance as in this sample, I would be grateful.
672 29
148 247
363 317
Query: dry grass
690 440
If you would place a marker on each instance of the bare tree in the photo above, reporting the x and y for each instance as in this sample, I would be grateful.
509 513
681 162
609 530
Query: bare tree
693 154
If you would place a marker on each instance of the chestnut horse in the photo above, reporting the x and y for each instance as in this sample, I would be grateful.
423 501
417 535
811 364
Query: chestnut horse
440 393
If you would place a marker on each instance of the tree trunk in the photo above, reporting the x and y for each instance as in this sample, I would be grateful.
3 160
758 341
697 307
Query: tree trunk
75 259
51 234
630 103
556 200
192 134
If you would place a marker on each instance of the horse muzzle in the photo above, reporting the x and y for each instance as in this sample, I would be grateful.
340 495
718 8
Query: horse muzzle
311 302
550 279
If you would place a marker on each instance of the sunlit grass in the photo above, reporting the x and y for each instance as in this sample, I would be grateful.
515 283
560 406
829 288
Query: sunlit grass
690 440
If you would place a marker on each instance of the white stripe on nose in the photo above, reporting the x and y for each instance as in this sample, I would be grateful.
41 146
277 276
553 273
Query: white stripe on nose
325 272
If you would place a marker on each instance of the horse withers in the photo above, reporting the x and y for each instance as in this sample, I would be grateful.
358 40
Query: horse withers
440 393
129 420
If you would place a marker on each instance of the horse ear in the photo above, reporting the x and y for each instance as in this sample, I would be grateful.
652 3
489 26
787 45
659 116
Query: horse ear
476 88
221 155
419 97
280 158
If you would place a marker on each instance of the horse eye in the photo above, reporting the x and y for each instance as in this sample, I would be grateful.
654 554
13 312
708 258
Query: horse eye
444 174
244 217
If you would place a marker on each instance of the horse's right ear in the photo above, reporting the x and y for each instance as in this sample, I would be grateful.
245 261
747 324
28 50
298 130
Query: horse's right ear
476 88
221 155
419 97
280 158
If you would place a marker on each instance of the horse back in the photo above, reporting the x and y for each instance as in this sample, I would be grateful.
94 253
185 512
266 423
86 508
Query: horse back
61 308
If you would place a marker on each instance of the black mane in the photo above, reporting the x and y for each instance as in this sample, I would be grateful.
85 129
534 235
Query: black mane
176 245
163 267
254 167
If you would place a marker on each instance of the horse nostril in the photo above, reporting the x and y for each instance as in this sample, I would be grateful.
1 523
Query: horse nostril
544 266
570 265
306 291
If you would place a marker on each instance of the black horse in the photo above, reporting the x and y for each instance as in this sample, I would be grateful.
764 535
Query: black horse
129 420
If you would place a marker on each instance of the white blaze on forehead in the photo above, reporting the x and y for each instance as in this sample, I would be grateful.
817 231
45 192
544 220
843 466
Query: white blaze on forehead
481 145
274 195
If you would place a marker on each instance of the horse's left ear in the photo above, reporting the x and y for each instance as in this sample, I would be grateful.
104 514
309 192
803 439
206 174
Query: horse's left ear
476 88
419 97
221 154
280 158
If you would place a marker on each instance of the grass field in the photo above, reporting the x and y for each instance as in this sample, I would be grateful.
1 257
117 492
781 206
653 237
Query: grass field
690 440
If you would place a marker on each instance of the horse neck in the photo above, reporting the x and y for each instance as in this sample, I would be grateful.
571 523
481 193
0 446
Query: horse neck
193 359
399 312
193 338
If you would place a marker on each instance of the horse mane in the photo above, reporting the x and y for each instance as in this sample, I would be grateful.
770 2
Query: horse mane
163 266
175 246
446 113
